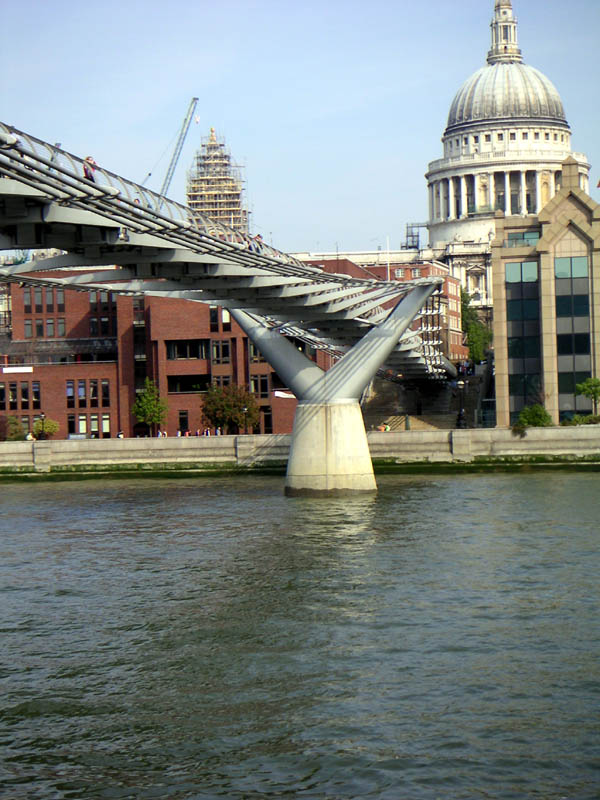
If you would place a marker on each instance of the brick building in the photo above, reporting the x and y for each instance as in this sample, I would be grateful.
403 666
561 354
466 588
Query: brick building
79 357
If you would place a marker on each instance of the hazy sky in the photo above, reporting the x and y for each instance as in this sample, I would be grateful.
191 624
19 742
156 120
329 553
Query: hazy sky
334 107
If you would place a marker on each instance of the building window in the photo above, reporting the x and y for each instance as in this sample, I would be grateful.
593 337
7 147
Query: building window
93 326
36 394
576 267
488 137
214 319
254 354
2 397
24 394
81 395
39 305
71 395
12 396
179 384
82 427
60 299
259 385
500 137
523 239
94 433
547 137
71 423
49 300
221 351
513 137
184 424
524 347
572 305
27 300
226 319
567 381
181 349
39 328
221 380
93 393
50 328
28 327
106 426
105 393
568 344
525 135
61 330
536 135
522 272
517 310
476 139
104 326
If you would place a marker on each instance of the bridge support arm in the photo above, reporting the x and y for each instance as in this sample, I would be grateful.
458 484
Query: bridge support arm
329 453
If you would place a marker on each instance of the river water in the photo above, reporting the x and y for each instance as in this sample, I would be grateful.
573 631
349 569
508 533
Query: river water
210 638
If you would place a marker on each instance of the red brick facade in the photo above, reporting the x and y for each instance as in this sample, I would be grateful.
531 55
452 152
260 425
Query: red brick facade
78 357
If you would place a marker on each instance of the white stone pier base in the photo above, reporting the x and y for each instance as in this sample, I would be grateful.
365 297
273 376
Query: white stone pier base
329 453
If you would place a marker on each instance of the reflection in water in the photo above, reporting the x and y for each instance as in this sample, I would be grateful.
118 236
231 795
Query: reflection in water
211 638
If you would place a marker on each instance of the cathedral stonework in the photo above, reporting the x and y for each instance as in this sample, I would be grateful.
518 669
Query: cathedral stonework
503 147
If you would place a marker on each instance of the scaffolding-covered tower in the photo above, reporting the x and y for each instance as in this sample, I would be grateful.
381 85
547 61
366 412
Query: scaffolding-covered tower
215 186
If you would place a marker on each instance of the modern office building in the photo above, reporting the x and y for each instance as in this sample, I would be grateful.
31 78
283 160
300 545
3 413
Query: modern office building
546 272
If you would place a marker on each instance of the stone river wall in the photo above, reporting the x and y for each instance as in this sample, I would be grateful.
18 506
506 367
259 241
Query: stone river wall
581 442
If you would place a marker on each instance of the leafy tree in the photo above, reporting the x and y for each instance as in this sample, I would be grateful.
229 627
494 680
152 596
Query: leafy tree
590 387
223 407
148 407
14 430
479 336
49 428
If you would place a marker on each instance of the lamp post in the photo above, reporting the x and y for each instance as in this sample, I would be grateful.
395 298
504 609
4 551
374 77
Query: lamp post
245 411
461 422
42 435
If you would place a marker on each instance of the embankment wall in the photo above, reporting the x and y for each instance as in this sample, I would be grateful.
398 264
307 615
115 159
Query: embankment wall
245 451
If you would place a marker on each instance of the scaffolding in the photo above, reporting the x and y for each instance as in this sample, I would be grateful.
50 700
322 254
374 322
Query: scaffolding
215 185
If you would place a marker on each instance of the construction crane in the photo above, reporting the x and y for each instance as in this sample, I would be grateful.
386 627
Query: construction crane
178 147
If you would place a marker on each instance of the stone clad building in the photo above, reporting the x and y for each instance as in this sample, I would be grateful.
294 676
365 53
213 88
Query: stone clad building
546 272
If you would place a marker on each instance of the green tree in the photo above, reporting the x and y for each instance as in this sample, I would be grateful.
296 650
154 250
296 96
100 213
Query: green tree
479 336
148 407
14 430
534 416
590 387
45 431
229 406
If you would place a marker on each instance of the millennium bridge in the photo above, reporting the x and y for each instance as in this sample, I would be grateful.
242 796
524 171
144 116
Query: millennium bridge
133 241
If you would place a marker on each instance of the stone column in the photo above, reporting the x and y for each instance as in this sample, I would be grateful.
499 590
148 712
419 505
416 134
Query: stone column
464 207
523 192
451 200
538 192
475 191
507 205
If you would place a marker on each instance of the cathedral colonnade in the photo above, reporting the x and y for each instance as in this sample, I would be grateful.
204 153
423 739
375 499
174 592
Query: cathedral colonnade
516 192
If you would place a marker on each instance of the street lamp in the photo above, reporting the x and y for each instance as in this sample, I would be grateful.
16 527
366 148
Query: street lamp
42 434
245 411
461 421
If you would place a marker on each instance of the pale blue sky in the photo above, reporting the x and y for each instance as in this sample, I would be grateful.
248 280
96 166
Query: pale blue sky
335 108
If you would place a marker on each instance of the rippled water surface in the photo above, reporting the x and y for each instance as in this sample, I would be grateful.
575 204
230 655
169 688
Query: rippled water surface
207 638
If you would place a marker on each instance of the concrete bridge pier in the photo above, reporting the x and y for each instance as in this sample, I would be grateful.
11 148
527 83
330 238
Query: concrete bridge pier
329 452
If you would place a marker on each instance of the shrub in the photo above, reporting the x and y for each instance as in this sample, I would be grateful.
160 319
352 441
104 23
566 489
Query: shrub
534 416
